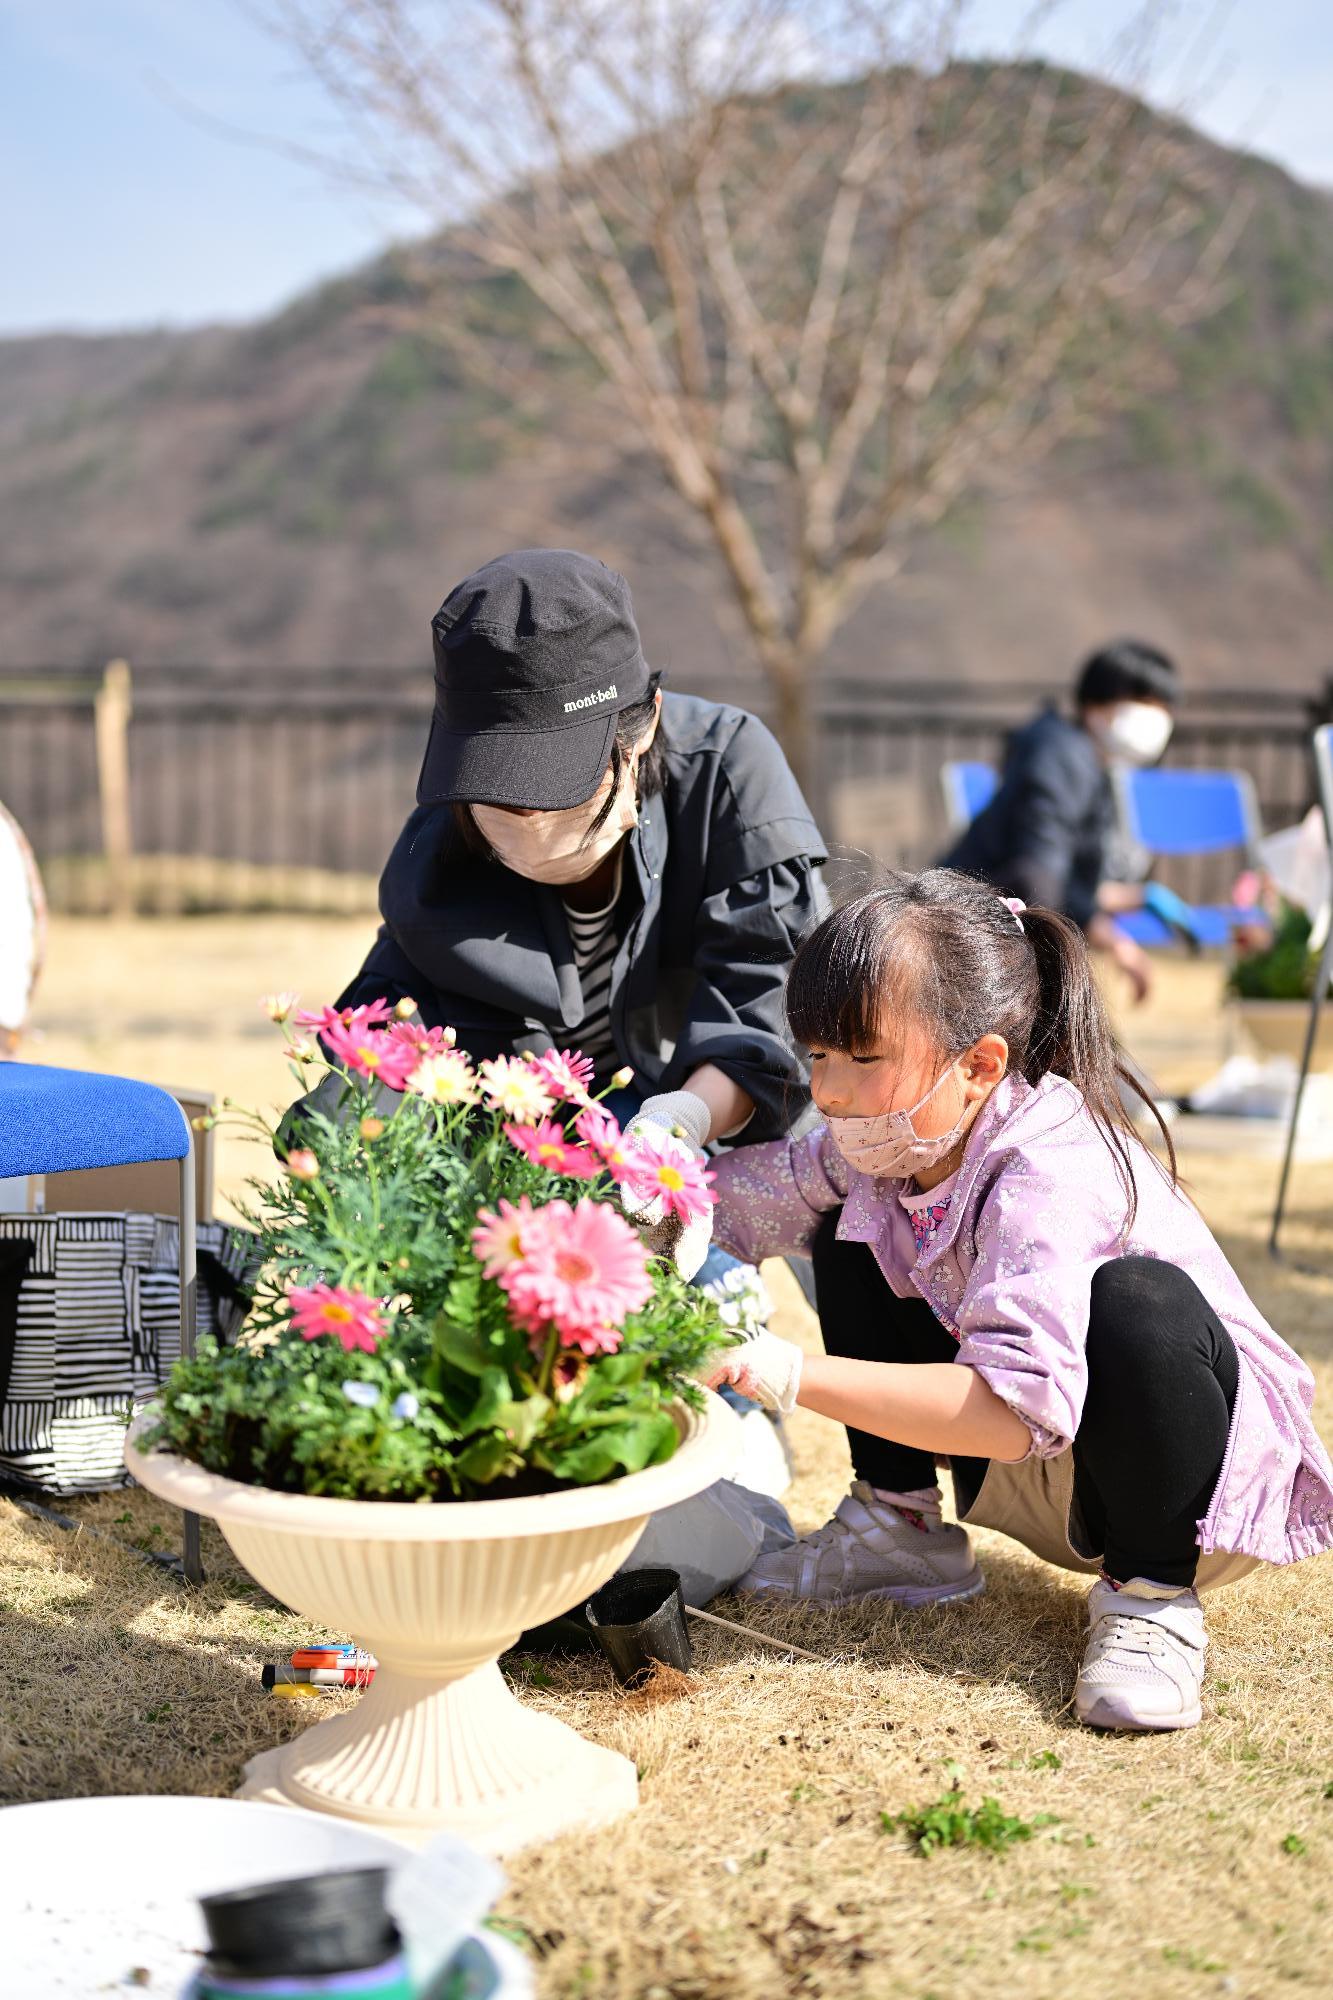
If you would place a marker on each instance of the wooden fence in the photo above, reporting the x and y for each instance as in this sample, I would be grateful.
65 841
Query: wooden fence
189 789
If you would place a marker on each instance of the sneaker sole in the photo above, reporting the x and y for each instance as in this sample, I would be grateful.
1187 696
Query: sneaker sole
908 1594
1103 1714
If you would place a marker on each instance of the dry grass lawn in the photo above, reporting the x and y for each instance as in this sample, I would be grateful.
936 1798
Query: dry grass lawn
757 1864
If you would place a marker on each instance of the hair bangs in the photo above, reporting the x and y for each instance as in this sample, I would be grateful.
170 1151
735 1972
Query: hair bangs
840 985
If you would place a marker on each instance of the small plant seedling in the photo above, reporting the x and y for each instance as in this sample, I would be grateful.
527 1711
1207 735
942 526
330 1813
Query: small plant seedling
123 1520
951 1822
1328 1789
1045 1760
1191 1961
1293 1844
157 1714
1071 1891
1034 1941
803 1793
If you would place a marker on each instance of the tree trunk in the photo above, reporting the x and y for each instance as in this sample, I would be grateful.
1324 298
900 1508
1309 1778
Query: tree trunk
796 725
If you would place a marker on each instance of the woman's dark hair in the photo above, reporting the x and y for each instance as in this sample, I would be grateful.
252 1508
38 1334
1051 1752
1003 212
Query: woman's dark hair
631 726
946 950
1128 671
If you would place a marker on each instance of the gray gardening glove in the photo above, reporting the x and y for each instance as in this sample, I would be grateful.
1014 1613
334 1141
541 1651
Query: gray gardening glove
680 1119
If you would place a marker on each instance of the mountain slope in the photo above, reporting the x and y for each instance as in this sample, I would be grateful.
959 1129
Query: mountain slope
306 489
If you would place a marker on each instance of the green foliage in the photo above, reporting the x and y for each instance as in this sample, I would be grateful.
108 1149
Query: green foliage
1305 394
1153 436
1265 510
453 1401
950 1822
1285 970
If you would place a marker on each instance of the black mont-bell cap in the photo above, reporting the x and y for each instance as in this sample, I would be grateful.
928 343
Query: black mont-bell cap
536 653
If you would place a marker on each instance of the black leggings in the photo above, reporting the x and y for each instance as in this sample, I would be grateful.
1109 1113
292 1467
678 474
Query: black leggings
1162 1378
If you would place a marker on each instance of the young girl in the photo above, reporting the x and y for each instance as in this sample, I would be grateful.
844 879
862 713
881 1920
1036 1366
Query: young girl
976 1195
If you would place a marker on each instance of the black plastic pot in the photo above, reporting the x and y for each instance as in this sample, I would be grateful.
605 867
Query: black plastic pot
639 1617
312 1925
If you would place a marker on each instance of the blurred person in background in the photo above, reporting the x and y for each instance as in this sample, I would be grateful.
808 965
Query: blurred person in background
1045 836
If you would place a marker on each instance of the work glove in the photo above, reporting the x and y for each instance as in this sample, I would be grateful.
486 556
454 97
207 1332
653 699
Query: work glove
1173 911
674 1119
766 1368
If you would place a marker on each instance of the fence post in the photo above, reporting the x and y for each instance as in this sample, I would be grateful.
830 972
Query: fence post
112 706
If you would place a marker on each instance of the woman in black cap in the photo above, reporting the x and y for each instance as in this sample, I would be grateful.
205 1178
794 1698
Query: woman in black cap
593 865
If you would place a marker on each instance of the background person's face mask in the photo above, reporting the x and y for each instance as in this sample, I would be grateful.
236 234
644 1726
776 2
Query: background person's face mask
555 847
889 1146
1136 731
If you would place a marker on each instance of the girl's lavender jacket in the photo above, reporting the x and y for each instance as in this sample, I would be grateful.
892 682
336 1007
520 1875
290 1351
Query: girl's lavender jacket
1036 1207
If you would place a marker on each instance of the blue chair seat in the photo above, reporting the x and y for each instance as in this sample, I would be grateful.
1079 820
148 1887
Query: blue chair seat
1213 922
55 1121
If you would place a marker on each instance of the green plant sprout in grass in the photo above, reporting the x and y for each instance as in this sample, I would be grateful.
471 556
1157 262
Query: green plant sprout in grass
951 1822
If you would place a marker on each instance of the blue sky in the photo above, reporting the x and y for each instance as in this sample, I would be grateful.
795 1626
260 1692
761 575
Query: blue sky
124 202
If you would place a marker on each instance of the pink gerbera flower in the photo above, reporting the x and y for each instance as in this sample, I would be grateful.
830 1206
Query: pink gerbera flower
582 1270
547 1146
498 1239
665 1169
568 1074
599 1130
352 1317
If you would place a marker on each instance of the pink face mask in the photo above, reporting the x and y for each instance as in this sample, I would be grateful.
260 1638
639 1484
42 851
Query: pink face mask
889 1146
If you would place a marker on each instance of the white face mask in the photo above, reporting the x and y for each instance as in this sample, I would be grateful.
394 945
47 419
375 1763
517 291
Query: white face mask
1135 731
555 846
889 1146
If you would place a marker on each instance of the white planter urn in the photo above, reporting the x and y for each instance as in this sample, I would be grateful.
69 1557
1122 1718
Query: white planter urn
437 1592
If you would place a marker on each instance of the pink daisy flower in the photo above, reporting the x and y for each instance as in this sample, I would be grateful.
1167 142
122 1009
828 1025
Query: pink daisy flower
567 1073
582 1270
599 1130
412 1035
371 1052
324 1018
665 1169
498 1239
546 1146
352 1318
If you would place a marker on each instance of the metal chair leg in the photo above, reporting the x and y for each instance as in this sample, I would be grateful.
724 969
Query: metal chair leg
1322 977
190 1552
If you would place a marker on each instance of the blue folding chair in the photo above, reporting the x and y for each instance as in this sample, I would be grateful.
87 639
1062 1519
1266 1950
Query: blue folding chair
968 789
1169 812
55 1121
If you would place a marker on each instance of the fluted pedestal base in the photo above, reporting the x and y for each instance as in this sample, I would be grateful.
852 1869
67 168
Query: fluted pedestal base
415 1758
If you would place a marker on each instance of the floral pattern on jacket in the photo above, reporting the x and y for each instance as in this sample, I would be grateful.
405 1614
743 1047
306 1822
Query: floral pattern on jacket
1036 1208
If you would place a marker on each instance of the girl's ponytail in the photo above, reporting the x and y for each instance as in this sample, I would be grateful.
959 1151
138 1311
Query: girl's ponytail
949 950
1072 1037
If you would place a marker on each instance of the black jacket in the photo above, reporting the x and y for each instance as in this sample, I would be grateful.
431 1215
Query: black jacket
720 883
1044 835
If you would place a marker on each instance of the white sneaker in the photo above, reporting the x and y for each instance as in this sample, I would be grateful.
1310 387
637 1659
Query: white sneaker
1143 1663
869 1549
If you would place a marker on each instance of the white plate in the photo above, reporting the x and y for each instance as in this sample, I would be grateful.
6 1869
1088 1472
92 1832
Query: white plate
92 1888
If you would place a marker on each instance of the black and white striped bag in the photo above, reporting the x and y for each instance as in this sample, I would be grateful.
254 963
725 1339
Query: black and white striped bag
90 1326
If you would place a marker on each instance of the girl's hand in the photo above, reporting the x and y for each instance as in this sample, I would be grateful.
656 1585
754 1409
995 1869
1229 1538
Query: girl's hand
766 1368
